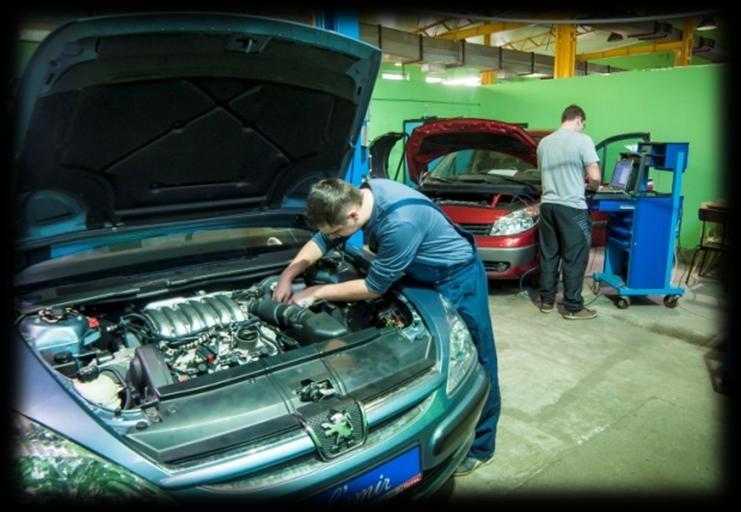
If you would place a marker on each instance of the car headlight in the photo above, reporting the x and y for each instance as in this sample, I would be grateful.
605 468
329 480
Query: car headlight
516 222
48 466
462 353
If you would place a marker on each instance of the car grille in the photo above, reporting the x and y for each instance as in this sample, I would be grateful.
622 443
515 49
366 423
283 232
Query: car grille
477 229
310 463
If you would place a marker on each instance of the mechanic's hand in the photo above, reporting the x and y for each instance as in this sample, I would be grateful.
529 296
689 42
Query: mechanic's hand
306 297
283 290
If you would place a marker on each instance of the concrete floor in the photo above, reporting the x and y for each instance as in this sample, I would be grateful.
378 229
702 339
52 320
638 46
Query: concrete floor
625 404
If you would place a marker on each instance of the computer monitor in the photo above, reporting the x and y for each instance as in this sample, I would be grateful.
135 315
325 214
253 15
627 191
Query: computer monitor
621 175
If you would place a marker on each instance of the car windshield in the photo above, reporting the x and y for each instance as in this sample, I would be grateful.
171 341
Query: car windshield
482 165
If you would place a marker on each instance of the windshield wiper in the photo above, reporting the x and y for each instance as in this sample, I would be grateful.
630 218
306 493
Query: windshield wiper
507 178
473 178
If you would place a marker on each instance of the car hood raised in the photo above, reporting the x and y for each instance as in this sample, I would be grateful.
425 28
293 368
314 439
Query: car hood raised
440 137
158 117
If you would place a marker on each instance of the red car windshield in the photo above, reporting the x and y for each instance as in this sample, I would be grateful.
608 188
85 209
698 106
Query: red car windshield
482 165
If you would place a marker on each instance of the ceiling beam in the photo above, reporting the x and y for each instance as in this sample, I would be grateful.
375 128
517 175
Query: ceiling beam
488 28
541 39
535 40
423 30
633 50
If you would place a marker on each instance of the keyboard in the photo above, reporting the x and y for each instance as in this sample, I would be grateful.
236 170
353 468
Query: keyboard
607 193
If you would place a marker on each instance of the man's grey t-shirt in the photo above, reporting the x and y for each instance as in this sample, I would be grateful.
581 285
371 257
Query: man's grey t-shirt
413 234
562 157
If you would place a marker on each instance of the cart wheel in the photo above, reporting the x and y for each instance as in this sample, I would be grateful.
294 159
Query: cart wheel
623 303
671 301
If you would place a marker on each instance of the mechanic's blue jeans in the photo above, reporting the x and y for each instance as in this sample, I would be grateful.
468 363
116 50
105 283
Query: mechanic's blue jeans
468 291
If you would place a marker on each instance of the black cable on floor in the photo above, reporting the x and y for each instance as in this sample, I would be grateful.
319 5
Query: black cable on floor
522 279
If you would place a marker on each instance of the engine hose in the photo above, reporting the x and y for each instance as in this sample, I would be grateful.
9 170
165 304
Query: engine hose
147 322
278 313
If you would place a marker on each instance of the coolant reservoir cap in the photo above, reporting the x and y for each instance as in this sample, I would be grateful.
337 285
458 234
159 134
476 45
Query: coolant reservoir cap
52 315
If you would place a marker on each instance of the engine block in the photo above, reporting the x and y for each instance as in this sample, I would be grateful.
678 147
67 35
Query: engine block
185 316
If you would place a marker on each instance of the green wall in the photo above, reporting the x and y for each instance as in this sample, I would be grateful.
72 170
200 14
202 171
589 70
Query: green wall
674 105
649 61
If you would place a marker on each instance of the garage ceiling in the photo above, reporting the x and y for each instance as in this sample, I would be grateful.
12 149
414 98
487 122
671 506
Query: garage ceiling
526 31
509 41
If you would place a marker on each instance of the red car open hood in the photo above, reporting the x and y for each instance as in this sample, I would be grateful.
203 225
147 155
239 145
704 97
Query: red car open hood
439 137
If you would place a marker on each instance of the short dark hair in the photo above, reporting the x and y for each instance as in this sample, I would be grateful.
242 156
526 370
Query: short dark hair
572 112
329 201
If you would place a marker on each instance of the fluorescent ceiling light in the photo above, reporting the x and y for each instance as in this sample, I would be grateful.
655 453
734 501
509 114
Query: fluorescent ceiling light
471 81
392 76
707 23
432 67
433 79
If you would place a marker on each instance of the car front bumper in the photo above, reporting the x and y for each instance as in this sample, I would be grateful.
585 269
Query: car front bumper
441 428
508 262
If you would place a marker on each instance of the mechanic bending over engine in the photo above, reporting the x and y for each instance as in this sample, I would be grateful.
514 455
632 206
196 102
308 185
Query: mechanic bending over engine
410 235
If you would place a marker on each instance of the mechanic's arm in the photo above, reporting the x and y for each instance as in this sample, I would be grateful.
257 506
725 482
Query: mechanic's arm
308 254
347 291
595 176
397 247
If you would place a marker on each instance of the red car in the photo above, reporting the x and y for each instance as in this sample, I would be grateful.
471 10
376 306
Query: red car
484 175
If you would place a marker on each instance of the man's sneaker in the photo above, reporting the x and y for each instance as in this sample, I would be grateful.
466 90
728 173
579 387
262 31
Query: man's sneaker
546 307
582 314
469 465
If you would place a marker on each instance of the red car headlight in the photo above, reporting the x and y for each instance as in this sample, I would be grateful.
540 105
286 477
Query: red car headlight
516 222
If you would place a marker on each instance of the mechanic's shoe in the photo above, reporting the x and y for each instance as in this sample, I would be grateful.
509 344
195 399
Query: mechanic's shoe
469 465
546 307
582 314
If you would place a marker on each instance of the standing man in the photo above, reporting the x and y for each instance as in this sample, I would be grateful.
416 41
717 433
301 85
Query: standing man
410 235
564 158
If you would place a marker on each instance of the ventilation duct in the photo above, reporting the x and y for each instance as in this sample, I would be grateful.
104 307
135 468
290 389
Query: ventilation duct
644 31
705 48
436 54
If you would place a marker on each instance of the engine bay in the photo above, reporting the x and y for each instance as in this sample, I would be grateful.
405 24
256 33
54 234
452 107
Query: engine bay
118 356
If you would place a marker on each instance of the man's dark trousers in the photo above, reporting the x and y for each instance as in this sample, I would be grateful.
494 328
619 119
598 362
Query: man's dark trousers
467 288
468 291
565 234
